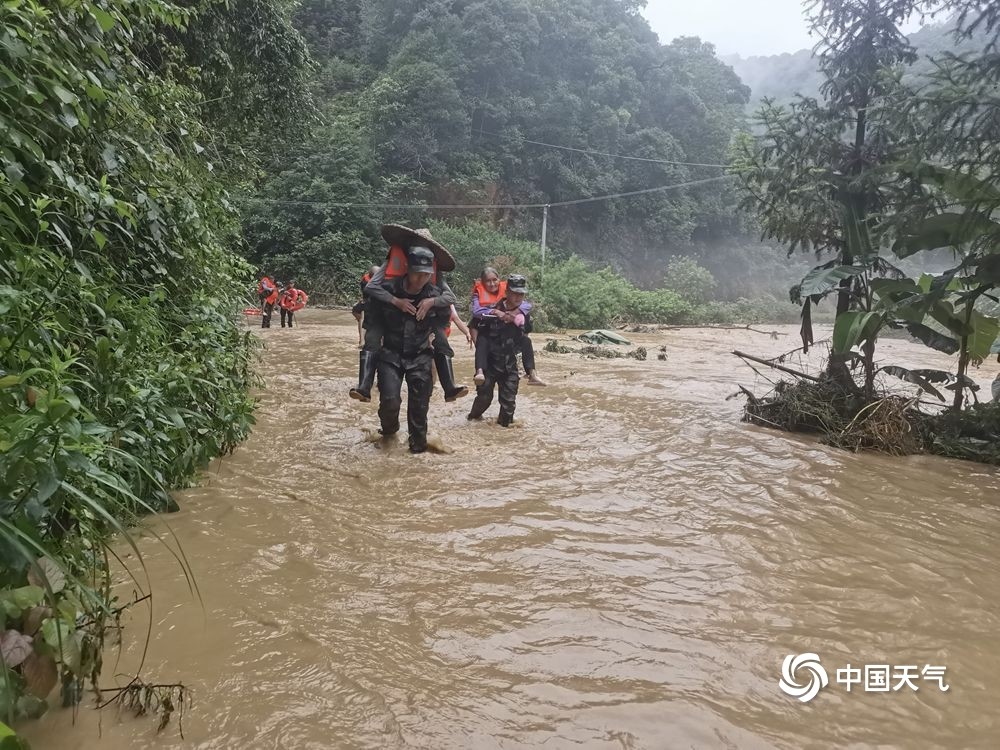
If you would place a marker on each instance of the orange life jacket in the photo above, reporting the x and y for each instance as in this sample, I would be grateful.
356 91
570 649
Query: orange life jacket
270 284
294 299
485 298
273 296
396 264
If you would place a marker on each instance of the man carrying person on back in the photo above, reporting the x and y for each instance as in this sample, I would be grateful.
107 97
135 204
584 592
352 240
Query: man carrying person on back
292 300
505 329
267 292
400 240
406 326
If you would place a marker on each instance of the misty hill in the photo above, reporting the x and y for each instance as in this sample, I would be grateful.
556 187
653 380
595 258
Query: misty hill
781 77
446 102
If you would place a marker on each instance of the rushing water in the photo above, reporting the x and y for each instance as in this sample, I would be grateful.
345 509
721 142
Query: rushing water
627 567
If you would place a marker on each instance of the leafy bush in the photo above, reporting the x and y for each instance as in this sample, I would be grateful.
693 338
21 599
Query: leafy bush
689 281
123 369
575 296
661 306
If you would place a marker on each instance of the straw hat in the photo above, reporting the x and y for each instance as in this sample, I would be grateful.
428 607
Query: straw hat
397 234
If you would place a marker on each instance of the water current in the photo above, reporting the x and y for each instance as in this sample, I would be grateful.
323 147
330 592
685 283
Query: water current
626 567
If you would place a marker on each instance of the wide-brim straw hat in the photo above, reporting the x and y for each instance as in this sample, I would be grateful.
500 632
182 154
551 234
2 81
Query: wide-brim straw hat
397 234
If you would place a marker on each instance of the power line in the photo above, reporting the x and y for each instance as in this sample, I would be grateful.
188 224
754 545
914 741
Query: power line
615 156
472 206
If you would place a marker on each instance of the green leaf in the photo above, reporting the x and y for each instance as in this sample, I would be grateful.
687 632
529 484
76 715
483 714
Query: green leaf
104 19
984 334
9 740
912 376
64 640
822 280
9 381
958 185
932 338
852 328
27 597
65 96
946 230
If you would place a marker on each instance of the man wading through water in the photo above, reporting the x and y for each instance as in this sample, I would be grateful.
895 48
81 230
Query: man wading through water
505 328
400 239
406 347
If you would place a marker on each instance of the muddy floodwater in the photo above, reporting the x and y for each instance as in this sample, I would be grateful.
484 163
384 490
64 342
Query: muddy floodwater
627 567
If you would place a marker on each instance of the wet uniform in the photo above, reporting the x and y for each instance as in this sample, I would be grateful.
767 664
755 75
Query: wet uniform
406 354
505 341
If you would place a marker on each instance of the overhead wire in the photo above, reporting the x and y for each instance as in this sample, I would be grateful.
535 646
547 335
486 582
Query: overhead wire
477 206
606 153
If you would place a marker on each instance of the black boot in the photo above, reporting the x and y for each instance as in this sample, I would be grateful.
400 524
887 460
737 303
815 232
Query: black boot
366 376
446 375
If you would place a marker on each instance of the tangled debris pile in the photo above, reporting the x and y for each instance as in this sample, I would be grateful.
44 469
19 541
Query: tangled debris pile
595 351
888 423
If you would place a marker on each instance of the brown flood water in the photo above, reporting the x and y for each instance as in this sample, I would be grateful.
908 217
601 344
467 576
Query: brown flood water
626 568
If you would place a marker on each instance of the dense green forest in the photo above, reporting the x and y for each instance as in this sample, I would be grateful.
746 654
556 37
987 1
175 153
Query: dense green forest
451 103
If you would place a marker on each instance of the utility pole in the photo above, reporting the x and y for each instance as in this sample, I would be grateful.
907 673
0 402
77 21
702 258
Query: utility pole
545 226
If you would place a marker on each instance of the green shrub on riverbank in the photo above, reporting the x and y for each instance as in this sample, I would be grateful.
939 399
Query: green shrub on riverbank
122 367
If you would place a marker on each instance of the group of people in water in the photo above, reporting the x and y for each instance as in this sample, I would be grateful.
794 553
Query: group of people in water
404 320
288 298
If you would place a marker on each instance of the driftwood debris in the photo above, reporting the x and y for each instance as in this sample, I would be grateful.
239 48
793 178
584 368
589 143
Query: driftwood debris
693 326
776 366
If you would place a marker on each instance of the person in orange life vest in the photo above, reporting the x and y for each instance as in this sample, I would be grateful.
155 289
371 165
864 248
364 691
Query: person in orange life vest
267 291
401 241
486 292
358 311
292 300
504 329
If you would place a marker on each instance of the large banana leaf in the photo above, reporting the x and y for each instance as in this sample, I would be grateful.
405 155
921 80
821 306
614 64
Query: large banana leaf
918 377
984 335
852 328
933 339
824 279
946 230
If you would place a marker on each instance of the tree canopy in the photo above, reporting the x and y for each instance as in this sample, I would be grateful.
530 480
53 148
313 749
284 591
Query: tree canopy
443 103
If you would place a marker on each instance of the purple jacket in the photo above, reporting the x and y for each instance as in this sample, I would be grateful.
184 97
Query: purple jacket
479 311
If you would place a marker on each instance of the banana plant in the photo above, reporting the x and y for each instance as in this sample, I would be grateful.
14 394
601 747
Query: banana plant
860 324
951 299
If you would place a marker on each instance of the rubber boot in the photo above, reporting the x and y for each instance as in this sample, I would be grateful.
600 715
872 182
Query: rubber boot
367 361
446 376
